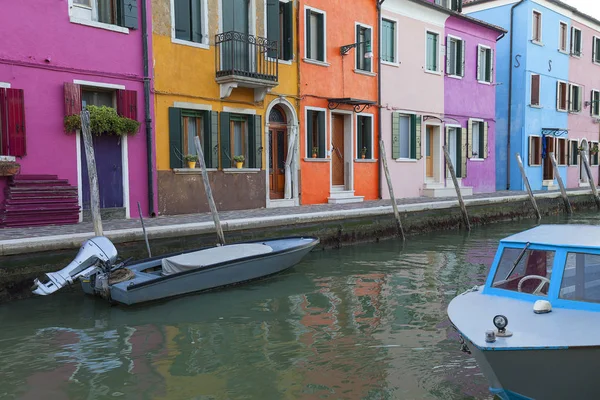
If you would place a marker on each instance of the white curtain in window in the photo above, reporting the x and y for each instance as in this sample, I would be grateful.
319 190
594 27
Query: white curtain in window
288 162
404 137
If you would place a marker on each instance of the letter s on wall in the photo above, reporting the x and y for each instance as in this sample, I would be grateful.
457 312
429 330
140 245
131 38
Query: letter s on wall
517 60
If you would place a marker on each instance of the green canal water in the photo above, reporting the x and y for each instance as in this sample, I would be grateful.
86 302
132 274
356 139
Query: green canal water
363 322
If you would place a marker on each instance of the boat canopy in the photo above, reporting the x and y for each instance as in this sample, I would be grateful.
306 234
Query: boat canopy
559 235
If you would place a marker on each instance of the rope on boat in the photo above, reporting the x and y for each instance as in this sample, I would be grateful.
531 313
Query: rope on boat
120 275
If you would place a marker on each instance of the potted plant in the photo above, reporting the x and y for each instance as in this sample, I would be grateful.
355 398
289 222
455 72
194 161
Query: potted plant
191 159
315 152
239 161
103 121
363 153
594 149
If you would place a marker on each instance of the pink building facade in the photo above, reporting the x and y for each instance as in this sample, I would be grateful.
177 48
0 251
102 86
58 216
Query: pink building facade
65 55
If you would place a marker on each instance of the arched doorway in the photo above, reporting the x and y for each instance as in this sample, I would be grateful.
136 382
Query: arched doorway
278 151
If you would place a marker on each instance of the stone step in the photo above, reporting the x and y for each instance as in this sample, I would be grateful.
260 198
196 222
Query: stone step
341 194
345 200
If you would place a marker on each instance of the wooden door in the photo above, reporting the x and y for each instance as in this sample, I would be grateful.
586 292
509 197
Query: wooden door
337 157
548 168
277 157
429 152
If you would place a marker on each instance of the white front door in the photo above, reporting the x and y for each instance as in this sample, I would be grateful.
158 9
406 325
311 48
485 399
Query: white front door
452 147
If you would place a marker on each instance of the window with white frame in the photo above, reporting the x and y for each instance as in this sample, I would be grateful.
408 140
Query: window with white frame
575 98
455 56
432 63
535 90
596 50
388 41
364 37
485 64
535 150
454 5
536 34
593 154
478 139
364 139
562 96
563 38
562 151
576 42
188 20
595 106
573 152
122 13
406 136
315 34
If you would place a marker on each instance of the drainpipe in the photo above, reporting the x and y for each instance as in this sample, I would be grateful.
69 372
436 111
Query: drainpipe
379 3
510 77
148 119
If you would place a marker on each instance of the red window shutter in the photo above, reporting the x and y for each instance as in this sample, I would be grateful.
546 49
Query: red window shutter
127 104
72 99
15 112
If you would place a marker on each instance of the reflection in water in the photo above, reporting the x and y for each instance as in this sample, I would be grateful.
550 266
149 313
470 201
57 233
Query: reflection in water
366 322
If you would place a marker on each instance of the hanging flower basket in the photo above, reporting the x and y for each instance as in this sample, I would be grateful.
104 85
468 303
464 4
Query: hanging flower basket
103 121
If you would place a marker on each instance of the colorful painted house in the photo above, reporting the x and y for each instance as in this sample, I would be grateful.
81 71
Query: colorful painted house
438 90
338 89
65 55
226 72
549 100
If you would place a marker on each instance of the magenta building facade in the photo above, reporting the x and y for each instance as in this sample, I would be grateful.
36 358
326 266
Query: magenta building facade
65 55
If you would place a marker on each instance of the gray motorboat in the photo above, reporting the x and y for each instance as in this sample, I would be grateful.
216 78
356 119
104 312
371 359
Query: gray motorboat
174 274
546 282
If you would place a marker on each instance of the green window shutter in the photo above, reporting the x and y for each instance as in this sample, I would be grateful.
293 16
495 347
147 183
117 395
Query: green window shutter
490 54
460 50
418 136
214 139
470 139
226 158
288 31
449 59
206 138
309 133
183 28
321 38
463 152
128 11
395 136
458 166
413 137
359 135
321 122
368 137
251 161
258 147
273 25
356 40
484 142
368 37
175 138
307 36
197 21
436 53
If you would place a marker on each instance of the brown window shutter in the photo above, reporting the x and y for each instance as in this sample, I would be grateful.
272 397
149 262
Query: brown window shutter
535 90
72 99
127 104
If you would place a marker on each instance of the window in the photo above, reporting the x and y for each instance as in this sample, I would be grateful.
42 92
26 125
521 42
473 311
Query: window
184 126
193 126
535 150
363 36
530 262
595 106
315 35
561 96
573 152
581 278
478 139
406 136
535 90
280 28
485 64
455 56
388 41
86 3
315 133
188 20
454 5
238 135
593 157
575 98
364 131
12 122
563 37
576 43
432 56
536 34
112 12
596 50
562 152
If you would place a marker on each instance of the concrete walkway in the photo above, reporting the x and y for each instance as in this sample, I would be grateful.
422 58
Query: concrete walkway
27 240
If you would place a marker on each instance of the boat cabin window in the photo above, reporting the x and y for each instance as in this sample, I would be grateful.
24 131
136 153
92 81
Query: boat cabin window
581 279
524 270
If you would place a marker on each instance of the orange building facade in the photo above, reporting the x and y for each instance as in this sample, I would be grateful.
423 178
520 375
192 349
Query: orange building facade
338 107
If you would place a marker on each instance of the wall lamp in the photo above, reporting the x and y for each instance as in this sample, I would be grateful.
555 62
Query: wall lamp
368 54
589 103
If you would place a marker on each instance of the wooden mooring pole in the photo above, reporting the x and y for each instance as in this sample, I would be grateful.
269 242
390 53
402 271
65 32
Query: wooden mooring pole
391 189
531 196
561 184
207 189
588 171
463 208
92 173
144 230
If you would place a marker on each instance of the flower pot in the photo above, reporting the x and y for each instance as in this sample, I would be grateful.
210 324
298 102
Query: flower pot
314 155
239 164
363 156
191 164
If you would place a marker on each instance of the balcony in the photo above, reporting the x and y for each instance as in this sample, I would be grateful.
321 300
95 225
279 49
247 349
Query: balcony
243 60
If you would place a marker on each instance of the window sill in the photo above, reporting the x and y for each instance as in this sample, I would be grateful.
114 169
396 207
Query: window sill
536 106
576 55
316 62
367 73
559 110
8 158
191 171
279 60
566 53
427 71
317 159
190 44
241 170
596 63
365 160
537 43
477 159
391 64
584 185
100 25
405 160
484 82
454 76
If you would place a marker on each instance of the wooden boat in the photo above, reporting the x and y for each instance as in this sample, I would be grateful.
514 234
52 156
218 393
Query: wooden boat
174 274
546 282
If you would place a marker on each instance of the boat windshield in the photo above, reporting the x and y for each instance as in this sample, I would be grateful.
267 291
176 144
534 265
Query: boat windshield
581 279
531 274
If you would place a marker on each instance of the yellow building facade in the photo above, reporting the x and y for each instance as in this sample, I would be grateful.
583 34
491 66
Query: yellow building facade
226 71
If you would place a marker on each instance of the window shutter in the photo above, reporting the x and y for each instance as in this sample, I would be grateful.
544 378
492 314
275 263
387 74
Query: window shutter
197 21
448 60
321 38
593 105
307 37
395 136
413 137
14 113
485 140
225 142
531 161
72 99
368 137
572 40
258 147
418 128
214 139
357 39
470 139
463 152
479 63
127 104
309 133
579 99
462 55
370 39
557 95
322 134
3 125
359 135
175 138
490 65
446 142
183 28
594 48
129 12
288 30
273 25
460 5
569 142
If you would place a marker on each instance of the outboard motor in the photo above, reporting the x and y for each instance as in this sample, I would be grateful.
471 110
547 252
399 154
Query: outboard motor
93 254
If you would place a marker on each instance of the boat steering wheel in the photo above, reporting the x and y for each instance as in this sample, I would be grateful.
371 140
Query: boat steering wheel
540 286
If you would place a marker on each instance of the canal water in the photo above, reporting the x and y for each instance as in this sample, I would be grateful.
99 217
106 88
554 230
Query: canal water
363 322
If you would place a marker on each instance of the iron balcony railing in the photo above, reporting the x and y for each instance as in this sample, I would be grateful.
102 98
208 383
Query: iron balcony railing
240 54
